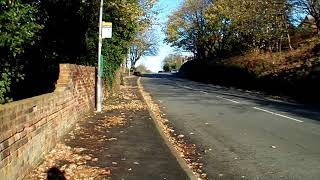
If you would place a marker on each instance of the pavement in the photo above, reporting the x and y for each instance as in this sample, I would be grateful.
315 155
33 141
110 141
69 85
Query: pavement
241 134
120 143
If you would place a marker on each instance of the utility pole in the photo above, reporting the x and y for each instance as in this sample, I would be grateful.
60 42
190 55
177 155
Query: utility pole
99 78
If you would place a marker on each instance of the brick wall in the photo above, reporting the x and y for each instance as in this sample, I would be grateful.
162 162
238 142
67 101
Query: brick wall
31 127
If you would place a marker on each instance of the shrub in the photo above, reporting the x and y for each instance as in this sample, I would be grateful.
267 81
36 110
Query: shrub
18 29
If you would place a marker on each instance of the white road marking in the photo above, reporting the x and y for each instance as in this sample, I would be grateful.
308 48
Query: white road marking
256 108
204 92
276 114
228 99
187 87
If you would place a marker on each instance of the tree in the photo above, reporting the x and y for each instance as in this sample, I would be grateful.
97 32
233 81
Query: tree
220 28
145 44
187 29
260 24
172 62
142 69
19 30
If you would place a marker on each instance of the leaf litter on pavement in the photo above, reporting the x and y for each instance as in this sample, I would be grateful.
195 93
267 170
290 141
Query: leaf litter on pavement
71 162
76 161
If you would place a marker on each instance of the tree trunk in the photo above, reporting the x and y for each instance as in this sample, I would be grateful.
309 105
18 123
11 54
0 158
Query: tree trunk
289 41
318 26
317 22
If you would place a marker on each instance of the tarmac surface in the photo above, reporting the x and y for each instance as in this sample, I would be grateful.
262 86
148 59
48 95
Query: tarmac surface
242 134
120 143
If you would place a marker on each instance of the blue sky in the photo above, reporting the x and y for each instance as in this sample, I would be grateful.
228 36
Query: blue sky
154 63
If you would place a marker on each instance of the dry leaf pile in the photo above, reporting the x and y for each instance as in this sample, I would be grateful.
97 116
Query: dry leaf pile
187 151
112 122
72 163
133 103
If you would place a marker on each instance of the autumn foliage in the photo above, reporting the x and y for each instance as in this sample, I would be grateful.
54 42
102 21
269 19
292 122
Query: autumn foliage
270 45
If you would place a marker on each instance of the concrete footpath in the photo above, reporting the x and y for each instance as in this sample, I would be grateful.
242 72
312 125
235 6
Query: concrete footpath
120 143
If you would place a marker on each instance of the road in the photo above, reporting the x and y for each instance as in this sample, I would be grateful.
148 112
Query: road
242 134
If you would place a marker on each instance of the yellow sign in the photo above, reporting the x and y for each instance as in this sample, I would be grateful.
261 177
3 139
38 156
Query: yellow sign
107 23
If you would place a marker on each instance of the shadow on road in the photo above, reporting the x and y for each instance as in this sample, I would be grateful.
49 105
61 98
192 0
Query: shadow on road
160 75
189 88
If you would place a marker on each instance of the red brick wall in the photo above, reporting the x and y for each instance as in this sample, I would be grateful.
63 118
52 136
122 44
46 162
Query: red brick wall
31 127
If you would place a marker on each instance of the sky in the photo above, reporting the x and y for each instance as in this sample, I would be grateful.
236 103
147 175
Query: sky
154 63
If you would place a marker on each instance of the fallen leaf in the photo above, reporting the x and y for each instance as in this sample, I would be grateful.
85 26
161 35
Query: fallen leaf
181 136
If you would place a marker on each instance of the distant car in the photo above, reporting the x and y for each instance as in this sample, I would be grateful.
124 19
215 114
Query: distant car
160 71
174 71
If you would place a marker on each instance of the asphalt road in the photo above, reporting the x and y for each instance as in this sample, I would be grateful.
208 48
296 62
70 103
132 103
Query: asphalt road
242 134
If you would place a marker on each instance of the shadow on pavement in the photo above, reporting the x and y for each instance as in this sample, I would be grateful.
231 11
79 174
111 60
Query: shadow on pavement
55 174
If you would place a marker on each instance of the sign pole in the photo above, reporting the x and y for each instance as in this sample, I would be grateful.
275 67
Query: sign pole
99 78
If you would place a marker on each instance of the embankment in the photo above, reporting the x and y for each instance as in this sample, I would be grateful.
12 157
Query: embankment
295 74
